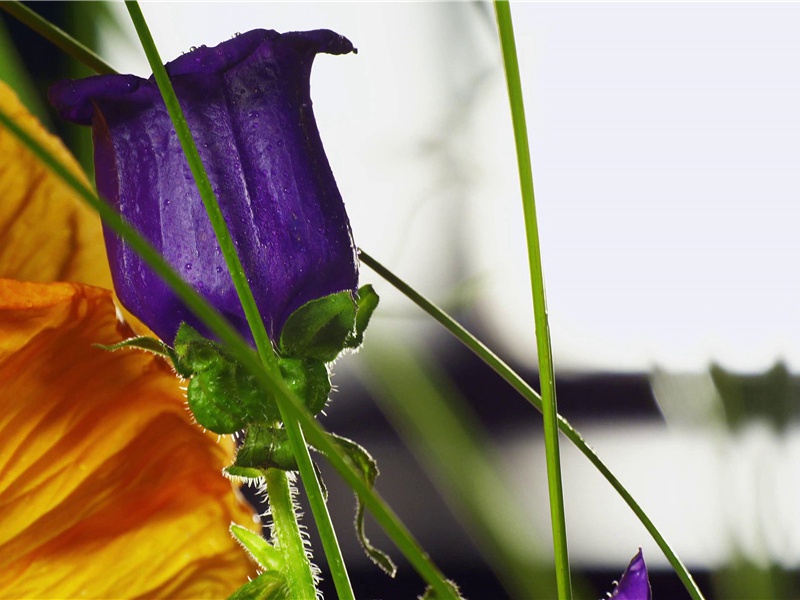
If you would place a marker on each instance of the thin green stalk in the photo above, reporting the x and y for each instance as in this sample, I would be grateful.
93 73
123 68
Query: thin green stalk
544 350
265 350
57 36
526 391
220 327
284 526
450 443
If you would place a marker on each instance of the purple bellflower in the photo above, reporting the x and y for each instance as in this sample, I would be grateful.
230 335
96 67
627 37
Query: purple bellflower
247 102
634 583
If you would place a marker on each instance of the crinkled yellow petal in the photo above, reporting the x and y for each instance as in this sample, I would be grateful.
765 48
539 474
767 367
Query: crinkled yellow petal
107 488
46 232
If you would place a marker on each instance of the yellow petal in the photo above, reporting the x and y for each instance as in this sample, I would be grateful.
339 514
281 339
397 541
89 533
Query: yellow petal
46 232
107 488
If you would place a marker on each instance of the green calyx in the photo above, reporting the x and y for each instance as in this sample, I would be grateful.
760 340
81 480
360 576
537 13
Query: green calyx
323 328
223 394
224 397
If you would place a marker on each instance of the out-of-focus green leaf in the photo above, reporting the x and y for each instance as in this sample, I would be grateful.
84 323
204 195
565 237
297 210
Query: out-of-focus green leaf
773 396
14 73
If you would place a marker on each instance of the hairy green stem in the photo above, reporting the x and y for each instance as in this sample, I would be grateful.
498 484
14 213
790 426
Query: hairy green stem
56 35
284 525
543 347
265 350
526 391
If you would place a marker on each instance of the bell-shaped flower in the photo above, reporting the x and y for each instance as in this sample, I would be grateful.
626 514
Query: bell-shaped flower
247 102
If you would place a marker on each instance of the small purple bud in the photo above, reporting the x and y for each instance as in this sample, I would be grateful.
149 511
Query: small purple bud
247 102
634 584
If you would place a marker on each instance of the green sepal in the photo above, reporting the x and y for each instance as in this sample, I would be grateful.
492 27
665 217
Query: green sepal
223 394
430 593
264 553
366 301
237 472
270 585
194 350
154 346
319 328
308 379
368 469
264 447
210 404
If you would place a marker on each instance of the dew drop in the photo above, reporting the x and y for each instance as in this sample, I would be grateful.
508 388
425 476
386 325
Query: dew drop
188 266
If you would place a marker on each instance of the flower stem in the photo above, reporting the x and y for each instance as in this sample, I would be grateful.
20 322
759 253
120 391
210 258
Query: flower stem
316 499
526 391
265 350
286 534
544 350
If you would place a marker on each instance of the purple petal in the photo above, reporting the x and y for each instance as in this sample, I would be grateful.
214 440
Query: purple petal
634 584
247 102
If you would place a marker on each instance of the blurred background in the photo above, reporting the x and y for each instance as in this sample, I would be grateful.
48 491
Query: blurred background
666 144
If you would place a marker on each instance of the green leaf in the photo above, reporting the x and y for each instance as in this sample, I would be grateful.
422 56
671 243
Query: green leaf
270 585
368 469
430 593
261 550
238 472
308 379
153 345
367 302
319 328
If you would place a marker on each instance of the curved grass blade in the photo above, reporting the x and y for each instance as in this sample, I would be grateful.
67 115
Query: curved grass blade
526 391
450 443
57 36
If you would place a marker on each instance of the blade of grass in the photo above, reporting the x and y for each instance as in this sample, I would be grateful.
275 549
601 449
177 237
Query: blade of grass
266 352
383 514
15 74
526 391
56 35
544 350
447 437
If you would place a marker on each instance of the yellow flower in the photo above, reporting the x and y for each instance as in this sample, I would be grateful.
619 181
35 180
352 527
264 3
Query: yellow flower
107 488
